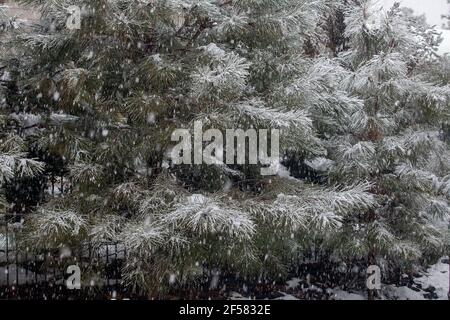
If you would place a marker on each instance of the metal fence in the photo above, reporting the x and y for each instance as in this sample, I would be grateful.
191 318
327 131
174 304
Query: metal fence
26 274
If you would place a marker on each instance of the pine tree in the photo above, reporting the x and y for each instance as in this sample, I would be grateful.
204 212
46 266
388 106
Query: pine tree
97 105
392 143
110 94
18 168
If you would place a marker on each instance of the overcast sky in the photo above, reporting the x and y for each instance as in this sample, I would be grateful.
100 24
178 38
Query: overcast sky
432 8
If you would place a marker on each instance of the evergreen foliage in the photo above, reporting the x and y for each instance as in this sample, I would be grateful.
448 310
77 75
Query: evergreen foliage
360 97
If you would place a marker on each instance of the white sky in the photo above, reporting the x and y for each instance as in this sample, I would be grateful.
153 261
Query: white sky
432 8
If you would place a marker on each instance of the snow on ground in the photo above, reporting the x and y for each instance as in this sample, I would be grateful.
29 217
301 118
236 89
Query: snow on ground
435 280
284 296
402 293
345 295
287 297
438 277
434 284
237 296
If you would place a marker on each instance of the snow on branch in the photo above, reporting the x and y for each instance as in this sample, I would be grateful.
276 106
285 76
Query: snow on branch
230 73
143 237
257 110
418 179
313 207
86 173
55 227
16 164
206 215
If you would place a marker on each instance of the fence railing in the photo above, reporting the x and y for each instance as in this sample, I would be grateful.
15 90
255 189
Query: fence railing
20 268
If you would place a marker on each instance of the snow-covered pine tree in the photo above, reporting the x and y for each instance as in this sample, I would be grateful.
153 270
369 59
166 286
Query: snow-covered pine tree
17 164
392 143
103 101
109 95
439 72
